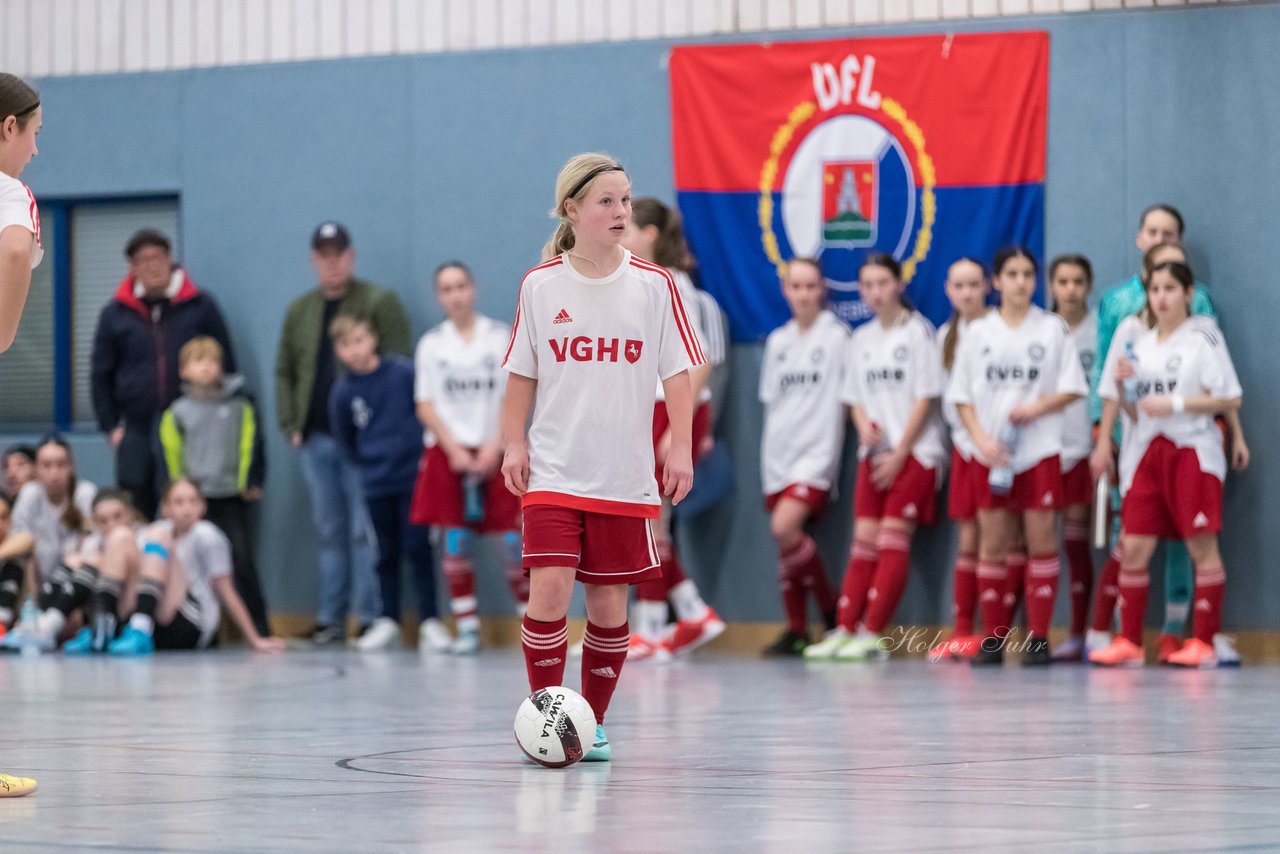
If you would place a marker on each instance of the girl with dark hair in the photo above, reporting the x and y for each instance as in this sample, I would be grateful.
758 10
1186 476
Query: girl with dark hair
893 380
1016 371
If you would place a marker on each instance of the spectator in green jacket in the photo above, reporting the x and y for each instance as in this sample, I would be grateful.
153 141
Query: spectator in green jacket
211 437
305 373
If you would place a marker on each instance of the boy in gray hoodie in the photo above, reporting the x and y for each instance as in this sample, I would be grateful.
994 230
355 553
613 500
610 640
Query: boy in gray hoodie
211 436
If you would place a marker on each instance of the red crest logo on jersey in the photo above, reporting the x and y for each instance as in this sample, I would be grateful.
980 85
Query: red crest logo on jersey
633 350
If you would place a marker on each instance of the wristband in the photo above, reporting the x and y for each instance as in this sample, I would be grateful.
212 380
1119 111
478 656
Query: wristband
1179 404
157 549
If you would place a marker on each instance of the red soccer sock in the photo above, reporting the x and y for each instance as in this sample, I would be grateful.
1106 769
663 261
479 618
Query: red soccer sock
545 647
815 581
672 571
791 567
1015 564
1207 619
459 574
1042 589
992 577
603 653
863 557
890 579
1104 607
964 592
1075 542
1134 584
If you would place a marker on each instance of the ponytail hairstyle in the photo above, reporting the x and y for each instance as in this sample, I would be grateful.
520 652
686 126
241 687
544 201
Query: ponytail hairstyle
1182 275
1077 260
574 180
1149 258
1008 253
952 340
670 249
887 262
17 99
72 518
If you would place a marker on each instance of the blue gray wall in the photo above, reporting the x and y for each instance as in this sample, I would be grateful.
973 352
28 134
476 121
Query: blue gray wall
428 157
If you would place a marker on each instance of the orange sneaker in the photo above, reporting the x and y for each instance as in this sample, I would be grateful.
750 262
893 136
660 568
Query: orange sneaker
691 634
1166 646
955 647
3 630
640 648
1122 652
1194 653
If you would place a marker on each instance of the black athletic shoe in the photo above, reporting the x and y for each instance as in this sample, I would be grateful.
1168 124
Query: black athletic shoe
1037 652
829 619
788 644
990 651
322 634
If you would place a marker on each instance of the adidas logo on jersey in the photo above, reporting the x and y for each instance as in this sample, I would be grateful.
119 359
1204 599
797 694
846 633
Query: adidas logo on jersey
547 662
605 672
563 317
1201 521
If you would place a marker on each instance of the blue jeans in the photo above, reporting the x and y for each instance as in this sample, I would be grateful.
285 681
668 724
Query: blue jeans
348 550
397 539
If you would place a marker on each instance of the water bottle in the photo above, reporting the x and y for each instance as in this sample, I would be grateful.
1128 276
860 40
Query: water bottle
30 615
472 499
1000 479
1131 383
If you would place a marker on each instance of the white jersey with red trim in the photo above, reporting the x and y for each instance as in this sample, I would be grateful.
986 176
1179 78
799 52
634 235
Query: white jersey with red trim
18 207
959 436
595 347
463 379
889 369
800 380
693 306
1193 362
999 367
1077 426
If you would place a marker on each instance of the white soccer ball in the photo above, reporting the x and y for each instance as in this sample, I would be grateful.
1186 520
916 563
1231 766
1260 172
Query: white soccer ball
555 727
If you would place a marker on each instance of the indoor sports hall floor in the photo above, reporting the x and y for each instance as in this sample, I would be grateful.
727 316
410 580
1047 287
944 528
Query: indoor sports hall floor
329 751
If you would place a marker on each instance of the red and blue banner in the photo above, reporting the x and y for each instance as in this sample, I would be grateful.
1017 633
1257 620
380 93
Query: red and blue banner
927 147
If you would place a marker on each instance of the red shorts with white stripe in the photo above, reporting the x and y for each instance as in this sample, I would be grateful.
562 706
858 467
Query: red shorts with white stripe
1037 488
662 421
1077 485
438 498
912 495
1171 497
604 548
963 490
811 495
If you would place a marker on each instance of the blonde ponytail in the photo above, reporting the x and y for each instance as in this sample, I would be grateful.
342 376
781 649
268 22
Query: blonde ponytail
573 182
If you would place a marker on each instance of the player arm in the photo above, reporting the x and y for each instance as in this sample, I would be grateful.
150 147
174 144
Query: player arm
225 590
17 544
517 403
16 244
678 471
916 422
1101 461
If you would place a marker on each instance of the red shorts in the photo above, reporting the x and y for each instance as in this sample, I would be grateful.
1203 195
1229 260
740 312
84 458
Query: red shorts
964 489
662 421
438 498
911 496
1171 497
1077 485
1037 488
811 495
605 549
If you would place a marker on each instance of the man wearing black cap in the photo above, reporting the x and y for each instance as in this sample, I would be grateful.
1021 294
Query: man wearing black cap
305 371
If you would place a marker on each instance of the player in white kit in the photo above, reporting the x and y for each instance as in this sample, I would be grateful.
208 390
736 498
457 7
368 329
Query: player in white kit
800 380
893 381
1172 379
1070 281
458 386
593 328
20 247
1016 372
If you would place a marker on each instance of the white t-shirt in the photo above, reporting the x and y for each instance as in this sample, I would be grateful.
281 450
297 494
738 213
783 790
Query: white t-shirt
888 371
35 514
999 367
18 207
595 347
1194 362
201 554
463 379
699 321
800 381
1077 435
959 436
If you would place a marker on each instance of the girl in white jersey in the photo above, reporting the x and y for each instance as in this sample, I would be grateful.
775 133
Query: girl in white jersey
893 380
1174 378
655 235
1016 372
800 380
20 249
1070 281
458 385
593 328
967 288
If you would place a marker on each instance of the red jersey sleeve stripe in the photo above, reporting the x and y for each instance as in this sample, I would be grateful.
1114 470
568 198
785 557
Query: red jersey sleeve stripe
515 325
34 211
691 344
